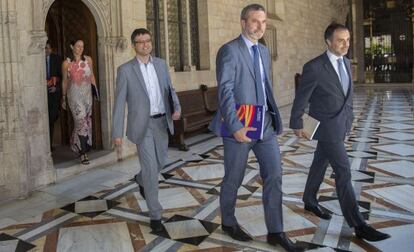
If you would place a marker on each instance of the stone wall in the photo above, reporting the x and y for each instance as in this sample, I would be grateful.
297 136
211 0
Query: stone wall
299 24
300 38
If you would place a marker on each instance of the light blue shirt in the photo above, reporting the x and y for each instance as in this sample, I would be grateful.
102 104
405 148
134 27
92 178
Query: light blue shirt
249 45
153 87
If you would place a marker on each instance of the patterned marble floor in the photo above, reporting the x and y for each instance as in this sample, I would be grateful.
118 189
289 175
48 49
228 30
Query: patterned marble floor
381 151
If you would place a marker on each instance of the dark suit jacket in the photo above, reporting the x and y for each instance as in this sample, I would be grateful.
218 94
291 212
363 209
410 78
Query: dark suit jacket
55 65
321 89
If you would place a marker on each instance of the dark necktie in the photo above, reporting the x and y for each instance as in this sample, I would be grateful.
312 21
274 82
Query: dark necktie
343 76
258 77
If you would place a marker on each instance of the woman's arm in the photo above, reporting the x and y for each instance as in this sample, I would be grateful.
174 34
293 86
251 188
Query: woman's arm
64 77
92 77
64 82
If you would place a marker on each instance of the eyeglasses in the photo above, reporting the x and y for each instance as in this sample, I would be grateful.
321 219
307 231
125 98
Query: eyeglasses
143 42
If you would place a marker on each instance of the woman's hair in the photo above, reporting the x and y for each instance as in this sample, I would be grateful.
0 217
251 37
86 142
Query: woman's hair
71 56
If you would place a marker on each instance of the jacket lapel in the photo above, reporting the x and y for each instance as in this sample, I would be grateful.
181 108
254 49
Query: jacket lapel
266 63
348 69
137 70
246 54
158 66
331 71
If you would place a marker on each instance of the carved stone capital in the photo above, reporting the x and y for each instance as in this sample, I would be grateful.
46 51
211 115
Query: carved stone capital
120 43
37 42
8 17
45 6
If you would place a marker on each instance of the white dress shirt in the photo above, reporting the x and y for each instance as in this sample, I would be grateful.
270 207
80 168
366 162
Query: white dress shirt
334 61
153 87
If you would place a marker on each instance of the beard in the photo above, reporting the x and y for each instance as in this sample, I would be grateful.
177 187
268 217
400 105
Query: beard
344 51
258 34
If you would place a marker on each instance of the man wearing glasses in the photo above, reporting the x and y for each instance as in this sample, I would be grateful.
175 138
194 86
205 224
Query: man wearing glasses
144 84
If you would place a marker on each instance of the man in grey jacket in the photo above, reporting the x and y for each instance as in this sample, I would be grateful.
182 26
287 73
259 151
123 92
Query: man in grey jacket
144 84
243 77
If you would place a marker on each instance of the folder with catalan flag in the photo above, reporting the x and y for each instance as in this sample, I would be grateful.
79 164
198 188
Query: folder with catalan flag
249 116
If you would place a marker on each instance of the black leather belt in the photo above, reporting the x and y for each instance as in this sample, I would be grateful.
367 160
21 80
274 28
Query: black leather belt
157 115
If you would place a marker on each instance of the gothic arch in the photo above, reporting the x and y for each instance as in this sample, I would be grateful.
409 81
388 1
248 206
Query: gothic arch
99 9
109 42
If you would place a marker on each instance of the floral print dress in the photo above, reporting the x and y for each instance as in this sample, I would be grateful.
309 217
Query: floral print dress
79 97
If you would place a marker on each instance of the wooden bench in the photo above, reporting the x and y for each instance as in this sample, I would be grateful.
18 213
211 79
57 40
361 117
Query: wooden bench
210 97
194 116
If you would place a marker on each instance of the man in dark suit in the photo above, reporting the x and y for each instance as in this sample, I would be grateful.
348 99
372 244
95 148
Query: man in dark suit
54 87
243 77
326 86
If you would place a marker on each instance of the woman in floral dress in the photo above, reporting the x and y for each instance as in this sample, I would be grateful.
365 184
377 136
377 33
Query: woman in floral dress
77 73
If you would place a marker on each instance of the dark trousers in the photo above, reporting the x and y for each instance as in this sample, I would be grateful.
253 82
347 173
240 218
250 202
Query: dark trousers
334 154
53 102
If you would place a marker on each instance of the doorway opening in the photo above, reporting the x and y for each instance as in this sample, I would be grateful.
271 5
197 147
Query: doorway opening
66 21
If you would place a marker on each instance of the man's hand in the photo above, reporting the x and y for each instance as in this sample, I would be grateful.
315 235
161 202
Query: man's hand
118 148
176 115
118 141
240 135
299 132
52 89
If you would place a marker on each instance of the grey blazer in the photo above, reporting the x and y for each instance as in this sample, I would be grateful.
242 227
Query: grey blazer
131 90
236 85
321 89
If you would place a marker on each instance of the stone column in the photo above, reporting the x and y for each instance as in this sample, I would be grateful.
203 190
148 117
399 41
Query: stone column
108 49
204 34
190 66
166 34
412 22
358 41
13 176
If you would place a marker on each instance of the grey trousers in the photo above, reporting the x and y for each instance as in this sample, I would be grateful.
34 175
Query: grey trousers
152 155
235 159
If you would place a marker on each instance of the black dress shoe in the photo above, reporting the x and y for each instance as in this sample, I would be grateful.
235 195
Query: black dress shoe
236 233
283 240
141 189
318 211
156 225
370 234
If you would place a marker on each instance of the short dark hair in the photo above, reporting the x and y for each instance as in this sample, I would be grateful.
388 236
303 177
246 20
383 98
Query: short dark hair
251 7
332 28
48 43
139 31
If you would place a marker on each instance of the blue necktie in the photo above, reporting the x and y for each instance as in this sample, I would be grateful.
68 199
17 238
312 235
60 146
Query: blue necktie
258 77
343 76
